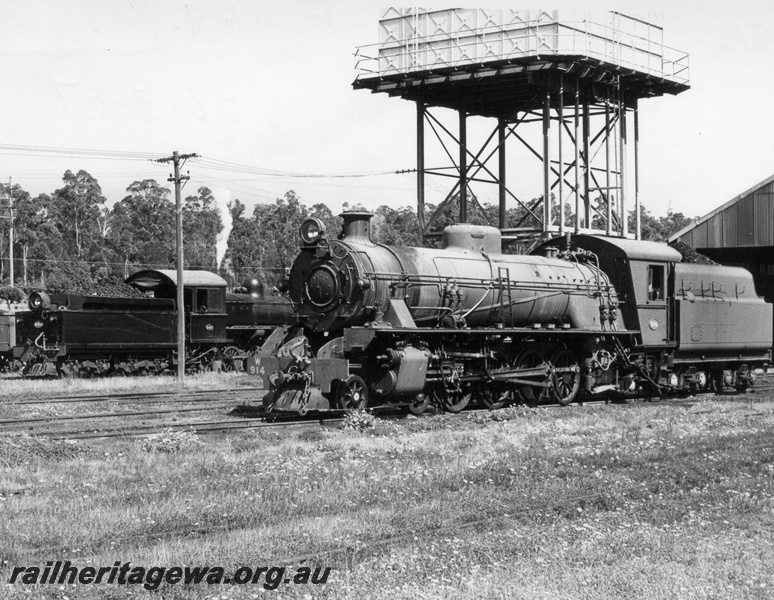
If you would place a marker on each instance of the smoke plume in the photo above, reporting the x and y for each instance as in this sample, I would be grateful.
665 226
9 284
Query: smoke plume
222 199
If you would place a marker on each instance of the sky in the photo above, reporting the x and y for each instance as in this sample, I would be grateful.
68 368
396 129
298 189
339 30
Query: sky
262 91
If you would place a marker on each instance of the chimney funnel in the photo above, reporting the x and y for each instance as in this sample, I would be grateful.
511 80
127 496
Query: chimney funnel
357 226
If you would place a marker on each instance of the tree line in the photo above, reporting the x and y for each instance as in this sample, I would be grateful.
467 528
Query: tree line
72 241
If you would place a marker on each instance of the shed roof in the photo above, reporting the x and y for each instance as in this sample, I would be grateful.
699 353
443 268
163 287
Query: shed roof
151 279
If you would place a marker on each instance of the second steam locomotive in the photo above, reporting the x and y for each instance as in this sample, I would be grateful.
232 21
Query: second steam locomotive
68 334
581 315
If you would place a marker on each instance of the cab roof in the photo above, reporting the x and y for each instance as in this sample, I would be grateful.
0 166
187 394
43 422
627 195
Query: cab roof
623 247
152 279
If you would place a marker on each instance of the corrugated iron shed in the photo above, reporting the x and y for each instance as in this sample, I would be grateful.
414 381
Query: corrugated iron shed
740 233
746 221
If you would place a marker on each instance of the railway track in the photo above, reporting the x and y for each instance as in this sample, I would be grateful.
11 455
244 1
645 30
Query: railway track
110 415
145 413
166 396
214 415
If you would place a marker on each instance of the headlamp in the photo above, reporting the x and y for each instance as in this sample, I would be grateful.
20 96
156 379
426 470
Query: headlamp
38 300
312 231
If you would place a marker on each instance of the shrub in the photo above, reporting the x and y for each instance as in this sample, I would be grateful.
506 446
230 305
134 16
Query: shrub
11 294
170 441
359 420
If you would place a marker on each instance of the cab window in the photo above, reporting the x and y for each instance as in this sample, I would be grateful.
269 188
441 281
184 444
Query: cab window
209 300
655 283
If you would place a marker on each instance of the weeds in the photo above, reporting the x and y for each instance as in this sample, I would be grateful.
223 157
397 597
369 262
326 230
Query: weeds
22 449
311 435
170 441
359 420
14 388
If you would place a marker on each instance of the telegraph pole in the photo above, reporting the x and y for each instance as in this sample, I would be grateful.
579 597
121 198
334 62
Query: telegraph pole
177 179
10 231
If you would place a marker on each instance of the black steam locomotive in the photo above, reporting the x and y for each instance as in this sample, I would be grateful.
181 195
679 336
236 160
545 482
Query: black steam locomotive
581 315
66 334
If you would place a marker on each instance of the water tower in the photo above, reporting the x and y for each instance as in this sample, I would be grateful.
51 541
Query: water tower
562 90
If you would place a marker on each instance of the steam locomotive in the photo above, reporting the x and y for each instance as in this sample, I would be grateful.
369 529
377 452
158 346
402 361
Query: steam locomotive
66 334
581 316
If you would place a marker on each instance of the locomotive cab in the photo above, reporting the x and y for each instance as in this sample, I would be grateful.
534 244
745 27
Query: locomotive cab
204 300
205 308
650 295
698 327
642 273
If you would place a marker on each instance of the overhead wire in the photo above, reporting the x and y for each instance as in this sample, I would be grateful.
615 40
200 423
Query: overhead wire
18 150
96 263
208 167
202 161
220 165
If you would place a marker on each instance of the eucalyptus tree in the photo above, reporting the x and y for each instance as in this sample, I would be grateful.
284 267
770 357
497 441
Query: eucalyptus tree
76 209
396 226
246 245
201 225
279 224
37 239
9 196
141 226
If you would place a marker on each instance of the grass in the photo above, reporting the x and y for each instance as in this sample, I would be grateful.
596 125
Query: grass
13 387
13 390
636 501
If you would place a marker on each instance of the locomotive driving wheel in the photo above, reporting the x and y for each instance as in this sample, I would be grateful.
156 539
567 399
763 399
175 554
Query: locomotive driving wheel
352 394
450 393
531 359
492 397
230 362
493 394
452 400
565 376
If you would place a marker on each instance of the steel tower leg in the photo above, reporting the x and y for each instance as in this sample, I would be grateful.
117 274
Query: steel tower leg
586 168
463 168
421 168
546 162
502 220
577 157
561 158
609 228
622 167
637 222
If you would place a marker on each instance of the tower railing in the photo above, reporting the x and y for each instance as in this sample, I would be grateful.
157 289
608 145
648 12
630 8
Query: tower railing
547 84
529 39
